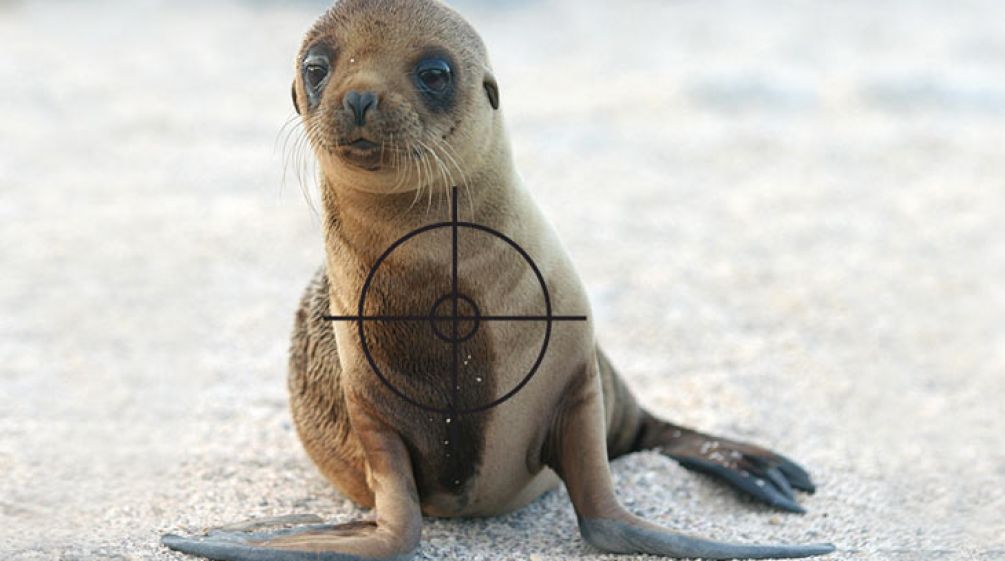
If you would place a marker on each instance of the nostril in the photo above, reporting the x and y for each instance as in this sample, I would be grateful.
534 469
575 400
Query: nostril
368 100
359 103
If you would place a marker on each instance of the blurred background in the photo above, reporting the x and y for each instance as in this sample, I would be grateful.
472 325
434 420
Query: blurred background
789 215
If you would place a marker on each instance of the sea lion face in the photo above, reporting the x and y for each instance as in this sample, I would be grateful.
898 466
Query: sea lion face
395 95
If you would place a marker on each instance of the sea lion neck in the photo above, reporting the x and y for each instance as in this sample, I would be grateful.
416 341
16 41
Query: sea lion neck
363 224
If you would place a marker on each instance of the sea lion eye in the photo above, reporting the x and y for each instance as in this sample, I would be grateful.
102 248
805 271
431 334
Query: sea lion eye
315 73
434 75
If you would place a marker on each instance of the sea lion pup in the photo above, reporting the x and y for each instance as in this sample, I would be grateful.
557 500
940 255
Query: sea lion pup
400 105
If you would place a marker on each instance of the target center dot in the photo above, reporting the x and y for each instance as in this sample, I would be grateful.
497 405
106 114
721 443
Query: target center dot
451 327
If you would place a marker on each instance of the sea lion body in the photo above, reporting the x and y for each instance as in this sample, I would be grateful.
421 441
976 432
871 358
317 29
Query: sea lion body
411 353
497 466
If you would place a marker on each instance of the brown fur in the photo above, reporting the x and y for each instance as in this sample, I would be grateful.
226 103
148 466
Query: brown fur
370 46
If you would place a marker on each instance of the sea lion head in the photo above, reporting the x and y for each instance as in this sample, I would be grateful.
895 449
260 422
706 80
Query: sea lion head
395 95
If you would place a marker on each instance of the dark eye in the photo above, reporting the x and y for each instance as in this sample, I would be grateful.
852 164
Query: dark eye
314 74
434 75
316 69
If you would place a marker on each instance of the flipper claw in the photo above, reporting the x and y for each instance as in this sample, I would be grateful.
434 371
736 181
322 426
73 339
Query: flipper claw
761 485
764 475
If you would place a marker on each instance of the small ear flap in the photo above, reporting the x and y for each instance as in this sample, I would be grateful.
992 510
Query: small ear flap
295 105
492 90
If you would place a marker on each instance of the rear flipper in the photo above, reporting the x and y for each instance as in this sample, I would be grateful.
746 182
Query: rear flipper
576 449
761 473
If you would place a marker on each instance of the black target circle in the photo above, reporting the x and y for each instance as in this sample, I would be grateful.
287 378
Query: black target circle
455 338
471 314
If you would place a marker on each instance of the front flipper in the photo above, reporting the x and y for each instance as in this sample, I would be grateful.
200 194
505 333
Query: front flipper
577 450
639 536
393 536
353 541
759 472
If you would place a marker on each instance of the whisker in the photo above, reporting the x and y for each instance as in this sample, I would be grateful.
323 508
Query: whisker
447 184
293 156
439 163
418 194
426 165
448 149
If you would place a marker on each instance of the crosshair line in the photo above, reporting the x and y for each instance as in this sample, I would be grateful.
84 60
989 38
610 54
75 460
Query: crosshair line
455 387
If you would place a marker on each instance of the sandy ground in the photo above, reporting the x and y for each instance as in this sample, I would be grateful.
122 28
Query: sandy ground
790 217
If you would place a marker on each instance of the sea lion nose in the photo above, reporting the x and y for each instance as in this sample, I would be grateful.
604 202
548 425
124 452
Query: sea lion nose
359 103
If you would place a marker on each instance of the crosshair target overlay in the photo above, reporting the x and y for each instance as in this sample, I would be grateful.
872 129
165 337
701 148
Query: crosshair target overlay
454 317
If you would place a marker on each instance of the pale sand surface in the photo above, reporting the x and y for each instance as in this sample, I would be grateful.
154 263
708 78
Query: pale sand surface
790 217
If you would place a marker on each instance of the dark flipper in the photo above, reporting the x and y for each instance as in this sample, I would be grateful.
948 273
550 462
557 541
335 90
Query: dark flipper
761 473
312 542
576 449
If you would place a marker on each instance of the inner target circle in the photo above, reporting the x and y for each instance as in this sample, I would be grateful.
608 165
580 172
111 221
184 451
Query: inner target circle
455 325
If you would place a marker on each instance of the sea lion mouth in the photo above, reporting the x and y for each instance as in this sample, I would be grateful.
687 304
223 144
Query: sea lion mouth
362 153
363 144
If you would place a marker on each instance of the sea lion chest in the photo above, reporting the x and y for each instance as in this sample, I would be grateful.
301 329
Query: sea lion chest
452 352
